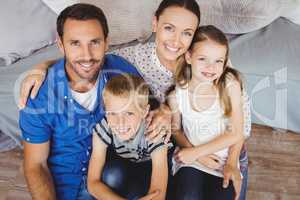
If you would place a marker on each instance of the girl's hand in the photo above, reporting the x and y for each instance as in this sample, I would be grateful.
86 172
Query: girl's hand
150 196
159 124
233 173
186 155
211 161
31 84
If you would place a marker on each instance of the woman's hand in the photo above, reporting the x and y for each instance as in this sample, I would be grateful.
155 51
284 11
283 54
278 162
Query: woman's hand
232 173
159 124
31 85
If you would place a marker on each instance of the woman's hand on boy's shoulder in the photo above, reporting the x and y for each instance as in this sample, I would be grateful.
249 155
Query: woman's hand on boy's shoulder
159 124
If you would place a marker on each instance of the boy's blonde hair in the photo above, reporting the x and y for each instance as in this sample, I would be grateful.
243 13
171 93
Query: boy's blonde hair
127 86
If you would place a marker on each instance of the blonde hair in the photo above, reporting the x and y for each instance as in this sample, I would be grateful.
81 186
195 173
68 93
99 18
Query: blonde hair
184 72
127 86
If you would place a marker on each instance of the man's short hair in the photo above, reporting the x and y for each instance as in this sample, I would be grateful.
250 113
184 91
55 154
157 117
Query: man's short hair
81 11
128 86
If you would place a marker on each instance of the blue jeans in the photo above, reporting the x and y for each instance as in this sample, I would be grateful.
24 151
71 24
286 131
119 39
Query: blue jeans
83 193
244 170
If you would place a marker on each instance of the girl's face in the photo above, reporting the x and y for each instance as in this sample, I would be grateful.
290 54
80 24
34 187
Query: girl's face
207 59
174 33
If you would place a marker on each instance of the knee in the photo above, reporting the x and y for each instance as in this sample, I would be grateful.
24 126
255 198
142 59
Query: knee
113 176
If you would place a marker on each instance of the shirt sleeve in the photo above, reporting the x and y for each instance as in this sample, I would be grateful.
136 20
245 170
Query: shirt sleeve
152 147
103 132
34 121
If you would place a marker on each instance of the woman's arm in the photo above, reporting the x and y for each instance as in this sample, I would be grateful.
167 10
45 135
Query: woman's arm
95 186
33 81
159 176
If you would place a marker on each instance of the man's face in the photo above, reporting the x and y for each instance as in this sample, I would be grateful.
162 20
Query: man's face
84 45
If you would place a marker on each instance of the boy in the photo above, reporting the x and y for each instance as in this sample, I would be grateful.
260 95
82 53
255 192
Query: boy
125 99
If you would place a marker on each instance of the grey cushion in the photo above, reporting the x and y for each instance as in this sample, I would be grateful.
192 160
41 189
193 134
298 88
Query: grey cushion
26 25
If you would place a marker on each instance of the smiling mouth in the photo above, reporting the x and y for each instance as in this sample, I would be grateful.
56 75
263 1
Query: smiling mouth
208 75
171 49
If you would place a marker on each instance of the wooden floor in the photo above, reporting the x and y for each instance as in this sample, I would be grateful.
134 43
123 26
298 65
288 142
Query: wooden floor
274 169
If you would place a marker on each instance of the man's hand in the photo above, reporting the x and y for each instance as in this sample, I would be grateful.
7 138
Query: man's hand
211 161
186 155
31 83
234 174
159 124
150 196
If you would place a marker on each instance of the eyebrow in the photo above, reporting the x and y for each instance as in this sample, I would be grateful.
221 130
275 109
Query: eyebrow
184 29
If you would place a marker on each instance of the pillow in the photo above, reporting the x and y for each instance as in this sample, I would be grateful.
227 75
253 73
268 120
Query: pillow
292 11
58 5
128 20
239 16
25 27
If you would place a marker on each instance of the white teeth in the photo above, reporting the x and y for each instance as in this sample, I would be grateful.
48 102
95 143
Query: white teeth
208 74
172 49
86 64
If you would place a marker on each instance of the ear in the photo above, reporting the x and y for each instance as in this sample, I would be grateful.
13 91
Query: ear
188 57
154 24
107 40
60 45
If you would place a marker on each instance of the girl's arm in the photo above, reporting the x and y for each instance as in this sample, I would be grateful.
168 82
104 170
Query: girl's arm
95 186
159 176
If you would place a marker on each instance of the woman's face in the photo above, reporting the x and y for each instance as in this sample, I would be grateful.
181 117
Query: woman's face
174 29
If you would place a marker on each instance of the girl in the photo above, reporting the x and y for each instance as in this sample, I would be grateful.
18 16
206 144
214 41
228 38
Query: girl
174 23
208 104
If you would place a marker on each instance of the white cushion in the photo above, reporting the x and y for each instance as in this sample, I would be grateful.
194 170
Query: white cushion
25 26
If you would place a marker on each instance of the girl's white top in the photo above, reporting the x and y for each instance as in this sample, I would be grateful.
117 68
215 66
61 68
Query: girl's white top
201 127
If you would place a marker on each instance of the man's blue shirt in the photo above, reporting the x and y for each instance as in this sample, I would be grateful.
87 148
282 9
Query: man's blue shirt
56 117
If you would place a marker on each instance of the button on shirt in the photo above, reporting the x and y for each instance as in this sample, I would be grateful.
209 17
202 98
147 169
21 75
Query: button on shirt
56 117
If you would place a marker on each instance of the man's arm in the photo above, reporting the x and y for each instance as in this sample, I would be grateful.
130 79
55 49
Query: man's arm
37 174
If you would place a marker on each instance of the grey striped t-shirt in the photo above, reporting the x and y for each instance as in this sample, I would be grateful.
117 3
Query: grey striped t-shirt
137 149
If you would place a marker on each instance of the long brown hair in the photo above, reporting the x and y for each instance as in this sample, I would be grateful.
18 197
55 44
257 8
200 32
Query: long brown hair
184 72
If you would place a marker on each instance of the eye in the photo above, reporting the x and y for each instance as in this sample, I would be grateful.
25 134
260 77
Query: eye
220 61
169 28
188 34
129 113
75 43
95 42
201 59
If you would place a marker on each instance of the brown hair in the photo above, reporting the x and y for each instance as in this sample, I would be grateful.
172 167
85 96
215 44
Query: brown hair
184 71
190 5
81 11
128 86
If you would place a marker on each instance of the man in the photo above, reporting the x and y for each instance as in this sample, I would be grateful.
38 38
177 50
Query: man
57 125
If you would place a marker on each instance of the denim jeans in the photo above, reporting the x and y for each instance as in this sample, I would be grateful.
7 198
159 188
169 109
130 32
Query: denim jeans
244 170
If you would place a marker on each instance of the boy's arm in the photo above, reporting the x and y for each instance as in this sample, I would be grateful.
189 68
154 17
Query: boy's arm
33 81
95 186
37 174
159 176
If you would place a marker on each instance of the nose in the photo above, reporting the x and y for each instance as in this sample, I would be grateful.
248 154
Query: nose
86 53
177 39
121 119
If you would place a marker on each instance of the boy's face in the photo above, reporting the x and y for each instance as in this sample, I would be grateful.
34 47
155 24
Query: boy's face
124 116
